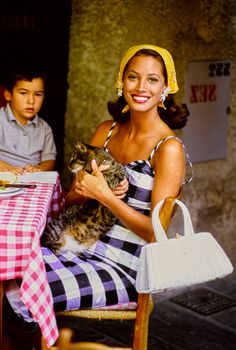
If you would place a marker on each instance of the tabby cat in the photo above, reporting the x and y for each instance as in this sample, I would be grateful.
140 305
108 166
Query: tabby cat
81 225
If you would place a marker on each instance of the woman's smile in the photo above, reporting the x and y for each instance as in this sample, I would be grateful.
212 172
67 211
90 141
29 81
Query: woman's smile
140 98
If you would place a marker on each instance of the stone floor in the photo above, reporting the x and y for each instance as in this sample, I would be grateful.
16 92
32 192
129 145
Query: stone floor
172 326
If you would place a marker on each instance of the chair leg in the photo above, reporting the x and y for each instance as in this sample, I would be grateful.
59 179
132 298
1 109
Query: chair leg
140 340
43 344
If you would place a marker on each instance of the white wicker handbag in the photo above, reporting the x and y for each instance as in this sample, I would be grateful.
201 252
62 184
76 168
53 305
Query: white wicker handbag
182 261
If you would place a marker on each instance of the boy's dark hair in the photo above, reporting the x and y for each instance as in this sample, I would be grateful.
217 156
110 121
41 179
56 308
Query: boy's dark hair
26 72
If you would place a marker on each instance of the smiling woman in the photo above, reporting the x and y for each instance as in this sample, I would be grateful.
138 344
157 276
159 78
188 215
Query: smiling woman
154 158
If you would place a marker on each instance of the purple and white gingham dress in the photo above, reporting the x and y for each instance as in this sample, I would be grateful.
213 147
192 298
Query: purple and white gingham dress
105 274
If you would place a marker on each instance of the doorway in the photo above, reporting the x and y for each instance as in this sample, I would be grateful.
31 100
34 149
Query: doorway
38 32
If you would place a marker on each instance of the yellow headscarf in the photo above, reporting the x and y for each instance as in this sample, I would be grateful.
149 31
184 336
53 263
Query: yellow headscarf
167 58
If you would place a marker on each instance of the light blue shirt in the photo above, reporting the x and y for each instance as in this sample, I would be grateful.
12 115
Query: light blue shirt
25 144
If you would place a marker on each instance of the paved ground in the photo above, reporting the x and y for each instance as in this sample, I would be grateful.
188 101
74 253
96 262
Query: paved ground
174 327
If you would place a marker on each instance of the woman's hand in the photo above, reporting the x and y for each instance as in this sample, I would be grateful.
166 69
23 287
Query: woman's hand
75 194
93 185
121 189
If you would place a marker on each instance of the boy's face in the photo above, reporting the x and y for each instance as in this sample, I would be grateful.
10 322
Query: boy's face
26 99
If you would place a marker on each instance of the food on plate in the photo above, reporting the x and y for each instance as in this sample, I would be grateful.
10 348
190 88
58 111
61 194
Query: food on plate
6 177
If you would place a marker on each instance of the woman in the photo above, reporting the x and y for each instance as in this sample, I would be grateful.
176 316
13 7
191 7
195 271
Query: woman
155 161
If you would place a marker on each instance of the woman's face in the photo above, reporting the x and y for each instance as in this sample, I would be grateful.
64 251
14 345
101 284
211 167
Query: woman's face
143 83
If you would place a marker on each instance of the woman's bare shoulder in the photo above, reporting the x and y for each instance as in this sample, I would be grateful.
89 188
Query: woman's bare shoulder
100 135
171 145
169 148
105 125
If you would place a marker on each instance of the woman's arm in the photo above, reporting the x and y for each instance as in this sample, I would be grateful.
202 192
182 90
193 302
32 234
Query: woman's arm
169 165
72 197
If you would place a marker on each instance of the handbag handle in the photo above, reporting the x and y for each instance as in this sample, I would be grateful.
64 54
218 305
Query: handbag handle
158 229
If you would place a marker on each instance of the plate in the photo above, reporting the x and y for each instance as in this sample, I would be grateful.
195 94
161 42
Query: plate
9 192
8 176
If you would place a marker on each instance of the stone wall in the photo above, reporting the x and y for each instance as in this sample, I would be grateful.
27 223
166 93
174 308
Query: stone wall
101 31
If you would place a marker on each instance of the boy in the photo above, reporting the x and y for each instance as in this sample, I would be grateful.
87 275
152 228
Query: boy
26 140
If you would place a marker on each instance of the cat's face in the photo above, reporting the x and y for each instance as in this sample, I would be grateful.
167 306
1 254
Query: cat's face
83 155
79 157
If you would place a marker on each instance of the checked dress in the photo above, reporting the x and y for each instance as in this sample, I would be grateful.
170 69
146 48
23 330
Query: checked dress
105 274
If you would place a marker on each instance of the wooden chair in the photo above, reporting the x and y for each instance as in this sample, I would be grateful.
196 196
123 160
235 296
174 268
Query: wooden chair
144 304
64 343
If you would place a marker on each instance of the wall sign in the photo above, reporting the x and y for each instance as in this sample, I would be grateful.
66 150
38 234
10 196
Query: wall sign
207 92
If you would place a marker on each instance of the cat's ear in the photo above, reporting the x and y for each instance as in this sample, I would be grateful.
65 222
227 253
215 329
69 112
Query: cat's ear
80 146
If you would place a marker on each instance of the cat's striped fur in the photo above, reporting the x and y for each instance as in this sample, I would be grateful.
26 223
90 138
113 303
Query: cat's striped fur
81 225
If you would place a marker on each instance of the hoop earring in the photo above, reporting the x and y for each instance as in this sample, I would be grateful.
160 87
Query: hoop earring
125 109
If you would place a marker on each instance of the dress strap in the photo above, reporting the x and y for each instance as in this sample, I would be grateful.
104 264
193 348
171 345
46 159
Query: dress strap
108 136
186 153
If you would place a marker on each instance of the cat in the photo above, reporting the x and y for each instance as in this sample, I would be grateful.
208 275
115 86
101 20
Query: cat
81 225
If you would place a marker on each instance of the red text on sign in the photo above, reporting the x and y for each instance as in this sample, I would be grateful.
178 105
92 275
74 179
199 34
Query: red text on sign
203 93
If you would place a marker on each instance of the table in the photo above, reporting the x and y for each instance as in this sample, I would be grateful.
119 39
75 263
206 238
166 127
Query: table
22 221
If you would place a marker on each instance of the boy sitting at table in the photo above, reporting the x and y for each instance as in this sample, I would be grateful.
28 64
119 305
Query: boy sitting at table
26 140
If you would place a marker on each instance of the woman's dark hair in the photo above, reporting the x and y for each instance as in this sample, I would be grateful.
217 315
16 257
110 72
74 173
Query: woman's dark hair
175 116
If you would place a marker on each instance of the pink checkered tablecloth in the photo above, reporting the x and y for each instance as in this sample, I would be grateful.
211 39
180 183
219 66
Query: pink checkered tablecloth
22 220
